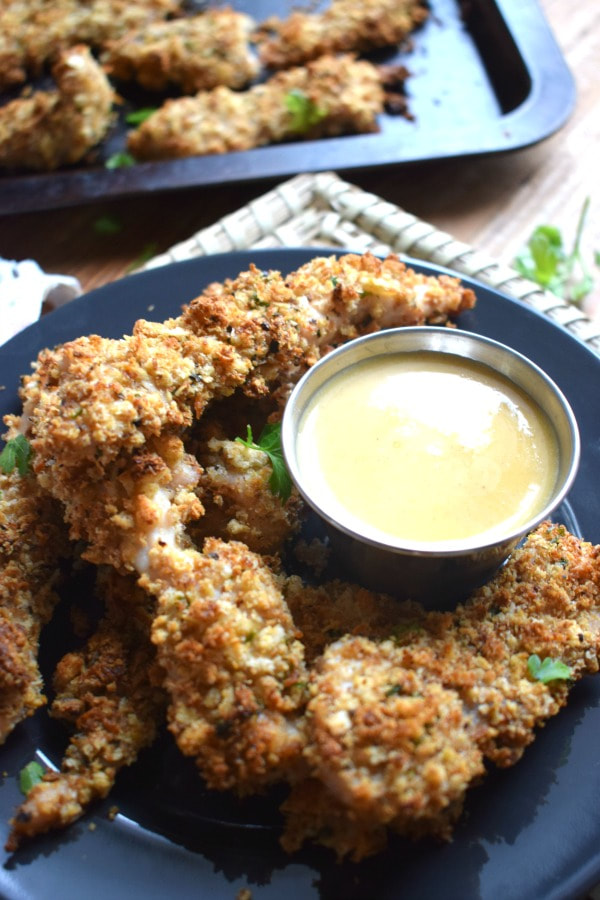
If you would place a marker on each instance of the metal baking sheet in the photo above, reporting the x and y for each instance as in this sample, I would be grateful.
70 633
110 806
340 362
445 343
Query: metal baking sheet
486 76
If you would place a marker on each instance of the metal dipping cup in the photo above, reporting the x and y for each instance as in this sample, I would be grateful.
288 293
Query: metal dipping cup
435 575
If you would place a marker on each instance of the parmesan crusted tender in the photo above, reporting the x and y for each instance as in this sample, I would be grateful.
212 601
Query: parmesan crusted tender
32 542
197 53
234 666
109 693
57 128
346 25
33 31
398 729
341 95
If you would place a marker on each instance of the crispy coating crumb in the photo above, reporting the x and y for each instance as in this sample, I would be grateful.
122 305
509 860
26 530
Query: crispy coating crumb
397 730
238 502
109 693
340 96
196 53
346 25
32 541
57 128
33 31
234 667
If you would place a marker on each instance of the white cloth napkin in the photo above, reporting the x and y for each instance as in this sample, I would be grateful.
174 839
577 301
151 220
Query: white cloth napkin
24 289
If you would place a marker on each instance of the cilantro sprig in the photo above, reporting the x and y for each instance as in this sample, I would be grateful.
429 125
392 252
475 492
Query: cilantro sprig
16 455
304 112
270 443
546 261
30 775
548 669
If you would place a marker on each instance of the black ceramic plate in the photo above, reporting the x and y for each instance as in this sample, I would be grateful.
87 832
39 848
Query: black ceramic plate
527 833
486 76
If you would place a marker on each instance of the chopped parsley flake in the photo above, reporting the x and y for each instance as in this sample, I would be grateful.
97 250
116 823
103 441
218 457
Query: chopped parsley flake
547 670
16 455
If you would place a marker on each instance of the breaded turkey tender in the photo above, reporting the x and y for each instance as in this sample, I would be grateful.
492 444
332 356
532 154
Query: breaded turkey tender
346 25
57 128
196 53
33 31
398 729
329 97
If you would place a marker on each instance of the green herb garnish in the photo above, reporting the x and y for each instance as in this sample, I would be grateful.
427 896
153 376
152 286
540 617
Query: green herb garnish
548 670
147 253
546 261
16 455
304 111
29 776
140 115
120 161
108 225
270 443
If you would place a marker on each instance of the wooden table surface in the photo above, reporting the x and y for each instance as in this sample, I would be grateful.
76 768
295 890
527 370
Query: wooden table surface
492 202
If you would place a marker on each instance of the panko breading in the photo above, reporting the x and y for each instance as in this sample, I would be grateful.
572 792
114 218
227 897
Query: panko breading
397 730
104 416
109 693
234 666
330 96
196 53
33 31
57 128
33 540
238 503
346 25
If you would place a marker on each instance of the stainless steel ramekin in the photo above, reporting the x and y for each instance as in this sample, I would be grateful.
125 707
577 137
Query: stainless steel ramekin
434 575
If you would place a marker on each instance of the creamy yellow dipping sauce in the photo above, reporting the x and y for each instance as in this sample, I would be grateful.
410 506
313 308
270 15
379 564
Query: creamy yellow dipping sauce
426 447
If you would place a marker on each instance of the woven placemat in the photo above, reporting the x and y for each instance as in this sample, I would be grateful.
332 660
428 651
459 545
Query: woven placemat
323 210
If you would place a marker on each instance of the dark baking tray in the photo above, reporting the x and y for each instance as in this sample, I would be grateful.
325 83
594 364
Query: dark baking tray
486 76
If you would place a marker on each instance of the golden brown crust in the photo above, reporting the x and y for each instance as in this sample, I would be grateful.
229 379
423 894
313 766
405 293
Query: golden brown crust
397 730
344 96
346 25
108 693
32 541
57 128
196 53
234 667
34 31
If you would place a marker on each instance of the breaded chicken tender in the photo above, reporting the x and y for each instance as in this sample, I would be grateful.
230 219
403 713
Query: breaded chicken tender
238 502
57 128
105 418
234 666
196 53
33 31
109 693
329 97
33 540
346 25
397 730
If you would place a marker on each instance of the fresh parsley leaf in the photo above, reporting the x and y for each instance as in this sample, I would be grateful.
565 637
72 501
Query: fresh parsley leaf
30 775
546 261
119 161
140 115
548 670
270 443
304 112
108 225
16 455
